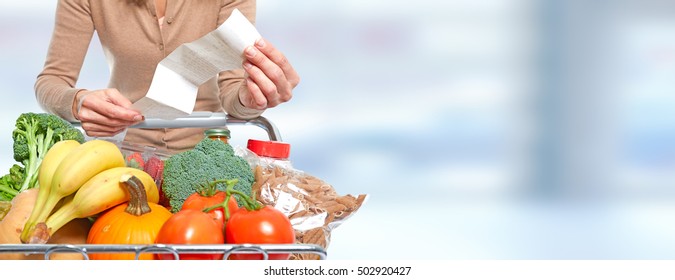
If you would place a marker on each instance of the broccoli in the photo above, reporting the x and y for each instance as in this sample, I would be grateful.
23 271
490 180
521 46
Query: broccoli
184 173
11 183
34 134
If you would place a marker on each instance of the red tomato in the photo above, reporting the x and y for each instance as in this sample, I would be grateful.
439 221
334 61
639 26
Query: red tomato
190 226
199 202
264 226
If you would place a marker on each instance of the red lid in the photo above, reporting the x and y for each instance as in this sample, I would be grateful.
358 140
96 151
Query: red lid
271 149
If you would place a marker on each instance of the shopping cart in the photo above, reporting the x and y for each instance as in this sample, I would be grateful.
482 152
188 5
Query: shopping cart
196 119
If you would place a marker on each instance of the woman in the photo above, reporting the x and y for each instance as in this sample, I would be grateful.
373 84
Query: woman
136 35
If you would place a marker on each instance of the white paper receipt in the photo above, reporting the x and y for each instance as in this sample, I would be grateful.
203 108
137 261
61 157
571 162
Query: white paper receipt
173 91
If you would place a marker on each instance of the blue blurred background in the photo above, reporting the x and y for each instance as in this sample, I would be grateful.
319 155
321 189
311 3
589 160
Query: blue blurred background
515 129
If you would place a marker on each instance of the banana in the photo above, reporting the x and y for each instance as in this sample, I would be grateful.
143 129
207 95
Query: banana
80 165
50 162
101 192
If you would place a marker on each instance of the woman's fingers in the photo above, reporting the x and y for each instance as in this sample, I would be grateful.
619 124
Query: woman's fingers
106 112
263 90
93 117
114 106
254 97
108 107
269 74
279 59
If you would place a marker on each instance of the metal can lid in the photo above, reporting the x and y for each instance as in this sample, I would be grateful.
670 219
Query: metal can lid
217 132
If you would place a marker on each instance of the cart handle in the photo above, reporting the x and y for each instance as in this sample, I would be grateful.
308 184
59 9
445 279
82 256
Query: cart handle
210 119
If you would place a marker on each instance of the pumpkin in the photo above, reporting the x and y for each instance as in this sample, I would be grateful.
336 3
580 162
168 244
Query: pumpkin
75 232
134 222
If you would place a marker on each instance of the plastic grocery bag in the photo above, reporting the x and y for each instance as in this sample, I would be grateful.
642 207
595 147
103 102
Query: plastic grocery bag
312 205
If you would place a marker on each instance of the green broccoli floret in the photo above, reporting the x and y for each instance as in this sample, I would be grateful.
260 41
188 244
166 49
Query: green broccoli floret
210 160
11 183
210 147
34 134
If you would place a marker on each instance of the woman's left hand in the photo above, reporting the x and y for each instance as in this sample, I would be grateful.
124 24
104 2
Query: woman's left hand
271 78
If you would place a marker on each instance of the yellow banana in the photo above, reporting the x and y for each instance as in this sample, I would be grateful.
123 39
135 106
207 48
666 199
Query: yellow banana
50 162
81 164
101 192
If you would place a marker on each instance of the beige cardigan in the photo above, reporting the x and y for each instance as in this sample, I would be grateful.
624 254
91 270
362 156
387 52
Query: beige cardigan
134 44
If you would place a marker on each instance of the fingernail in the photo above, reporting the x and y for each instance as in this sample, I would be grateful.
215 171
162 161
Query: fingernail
260 43
138 118
247 65
250 51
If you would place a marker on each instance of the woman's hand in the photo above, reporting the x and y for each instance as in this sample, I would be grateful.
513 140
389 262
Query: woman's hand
271 78
104 112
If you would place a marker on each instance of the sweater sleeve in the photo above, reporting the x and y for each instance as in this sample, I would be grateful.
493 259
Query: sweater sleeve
55 85
230 82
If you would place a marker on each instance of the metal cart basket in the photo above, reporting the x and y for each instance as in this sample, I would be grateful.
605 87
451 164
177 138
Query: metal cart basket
196 119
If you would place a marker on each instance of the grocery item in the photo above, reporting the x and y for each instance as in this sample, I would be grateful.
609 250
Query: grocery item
191 227
33 135
313 206
208 197
149 159
76 168
51 161
222 134
209 160
135 222
100 193
259 225
271 153
75 232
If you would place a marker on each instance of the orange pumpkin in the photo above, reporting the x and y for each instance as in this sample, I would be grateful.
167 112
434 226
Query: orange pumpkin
135 222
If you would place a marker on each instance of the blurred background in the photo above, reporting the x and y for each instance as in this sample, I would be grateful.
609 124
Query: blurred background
515 129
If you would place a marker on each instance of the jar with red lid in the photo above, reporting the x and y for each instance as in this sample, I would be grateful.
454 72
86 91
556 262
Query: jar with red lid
272 152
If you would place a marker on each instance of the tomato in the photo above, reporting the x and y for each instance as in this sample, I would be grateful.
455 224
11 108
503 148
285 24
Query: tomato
190 226
200 202
264 226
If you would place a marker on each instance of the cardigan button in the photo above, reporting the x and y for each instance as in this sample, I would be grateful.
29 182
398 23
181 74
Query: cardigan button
161 47
169 20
